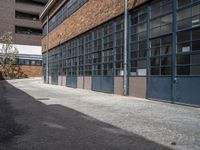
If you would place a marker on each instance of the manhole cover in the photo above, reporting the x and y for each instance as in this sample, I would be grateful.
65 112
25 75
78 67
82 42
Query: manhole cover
43 99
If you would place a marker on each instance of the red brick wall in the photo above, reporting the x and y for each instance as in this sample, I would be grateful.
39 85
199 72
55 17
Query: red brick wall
92 14
21 71
32 71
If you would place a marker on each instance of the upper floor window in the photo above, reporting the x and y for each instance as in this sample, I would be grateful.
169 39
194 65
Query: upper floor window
27 30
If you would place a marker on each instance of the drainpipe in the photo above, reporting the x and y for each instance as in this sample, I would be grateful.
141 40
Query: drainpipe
47 48
125 47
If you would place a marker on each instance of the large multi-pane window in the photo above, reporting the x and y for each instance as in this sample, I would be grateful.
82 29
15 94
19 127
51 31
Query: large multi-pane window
119 46
161 55
80 56
107 53
161 17
53 61
97 55
100 50
161 37
71 51
88 45
188 38
63 48
29 62
138 47
60 60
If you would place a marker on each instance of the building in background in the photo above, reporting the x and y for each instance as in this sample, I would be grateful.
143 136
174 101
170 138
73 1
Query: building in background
21 17
83 47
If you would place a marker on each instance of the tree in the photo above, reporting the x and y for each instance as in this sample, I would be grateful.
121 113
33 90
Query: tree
7 54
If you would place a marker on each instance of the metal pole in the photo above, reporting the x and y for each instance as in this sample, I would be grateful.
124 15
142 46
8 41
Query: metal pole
47 48
125 46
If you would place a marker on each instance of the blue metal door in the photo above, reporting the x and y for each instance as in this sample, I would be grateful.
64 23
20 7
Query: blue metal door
71 81
188 90
54 79
103 84
160 88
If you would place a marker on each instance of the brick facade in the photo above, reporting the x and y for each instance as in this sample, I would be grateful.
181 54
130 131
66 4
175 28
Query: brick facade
21 71
92 14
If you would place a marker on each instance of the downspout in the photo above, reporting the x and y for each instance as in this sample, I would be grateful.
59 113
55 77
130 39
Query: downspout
47 48
125 47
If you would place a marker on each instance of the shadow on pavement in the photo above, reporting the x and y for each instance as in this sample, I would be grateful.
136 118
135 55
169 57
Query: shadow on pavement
55 127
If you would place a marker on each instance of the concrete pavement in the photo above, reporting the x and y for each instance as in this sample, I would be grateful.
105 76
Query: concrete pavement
61 118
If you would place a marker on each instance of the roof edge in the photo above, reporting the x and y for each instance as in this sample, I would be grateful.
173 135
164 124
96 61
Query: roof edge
46 8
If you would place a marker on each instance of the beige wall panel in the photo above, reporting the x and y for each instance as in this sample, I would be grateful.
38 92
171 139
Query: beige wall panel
59 80
80 82
118 85
88 83
137 87
63 83
49 79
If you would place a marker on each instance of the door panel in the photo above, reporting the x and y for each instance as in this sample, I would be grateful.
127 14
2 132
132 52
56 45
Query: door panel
96 83
54 79
188 90
72 82
160 88
108 84
103 84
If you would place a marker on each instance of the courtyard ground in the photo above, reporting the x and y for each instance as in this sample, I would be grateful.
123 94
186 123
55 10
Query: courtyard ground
59 118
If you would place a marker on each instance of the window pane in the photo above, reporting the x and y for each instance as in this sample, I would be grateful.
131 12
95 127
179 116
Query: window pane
155 23
186 23
142 63
155 61
27 62
182 3
155 42
166 20
155 51
183 70
183 47
155 71
155 9
165 50
142 45
196 45
183 14
195 10
166 61
185 59
195 21
183 36
166 40
195 70
155 32
142 53
196 34
195 59
165 70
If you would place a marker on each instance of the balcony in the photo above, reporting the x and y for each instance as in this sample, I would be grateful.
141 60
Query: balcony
28 23
25 7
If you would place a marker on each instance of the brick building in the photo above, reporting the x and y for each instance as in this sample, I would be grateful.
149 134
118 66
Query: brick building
21 17
83 47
